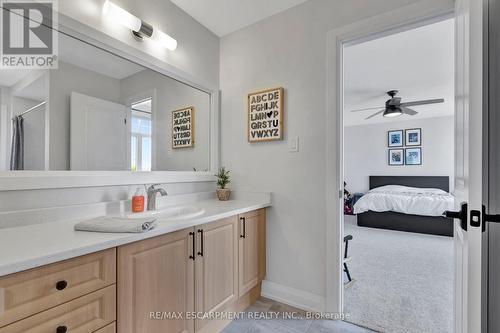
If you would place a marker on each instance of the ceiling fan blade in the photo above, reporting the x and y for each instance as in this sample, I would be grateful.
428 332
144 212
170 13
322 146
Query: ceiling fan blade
424 102
375 114
409 111
395 101
358 110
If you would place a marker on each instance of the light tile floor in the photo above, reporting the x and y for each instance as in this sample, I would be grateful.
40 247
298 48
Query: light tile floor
282 325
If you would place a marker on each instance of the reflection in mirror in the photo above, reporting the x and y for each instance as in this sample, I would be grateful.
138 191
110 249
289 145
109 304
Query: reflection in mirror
98 111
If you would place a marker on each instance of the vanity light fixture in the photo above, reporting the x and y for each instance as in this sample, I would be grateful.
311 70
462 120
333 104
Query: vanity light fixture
138 27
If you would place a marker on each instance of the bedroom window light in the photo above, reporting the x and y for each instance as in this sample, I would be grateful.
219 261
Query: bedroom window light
141 132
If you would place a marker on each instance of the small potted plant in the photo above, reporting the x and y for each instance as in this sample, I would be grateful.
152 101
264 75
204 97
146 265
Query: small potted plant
222 181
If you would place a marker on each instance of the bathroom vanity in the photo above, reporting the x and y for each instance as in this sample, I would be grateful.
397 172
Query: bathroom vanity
161 281
109 118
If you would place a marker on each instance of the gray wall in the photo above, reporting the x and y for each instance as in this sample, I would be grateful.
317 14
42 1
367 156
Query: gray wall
365 151
289 50
197 54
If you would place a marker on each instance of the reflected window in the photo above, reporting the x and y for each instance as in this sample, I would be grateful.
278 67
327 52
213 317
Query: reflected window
141 130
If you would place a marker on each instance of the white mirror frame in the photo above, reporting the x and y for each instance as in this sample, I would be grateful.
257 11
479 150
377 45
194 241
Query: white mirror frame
29 180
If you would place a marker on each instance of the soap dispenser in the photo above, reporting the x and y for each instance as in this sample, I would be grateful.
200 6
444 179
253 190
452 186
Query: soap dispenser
138 201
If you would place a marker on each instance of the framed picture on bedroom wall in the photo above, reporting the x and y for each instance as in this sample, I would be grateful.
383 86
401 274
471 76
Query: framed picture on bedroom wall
413 137
413 156
396 157
395 138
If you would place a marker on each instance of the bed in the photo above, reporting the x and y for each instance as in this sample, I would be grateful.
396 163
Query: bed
422 214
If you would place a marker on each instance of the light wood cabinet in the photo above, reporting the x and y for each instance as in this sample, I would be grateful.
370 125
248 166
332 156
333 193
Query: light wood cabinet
26 293
156 277
154 286
216 268
252 250
82 315
111 328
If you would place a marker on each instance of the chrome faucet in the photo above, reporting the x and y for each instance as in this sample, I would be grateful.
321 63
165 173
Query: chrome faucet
151 194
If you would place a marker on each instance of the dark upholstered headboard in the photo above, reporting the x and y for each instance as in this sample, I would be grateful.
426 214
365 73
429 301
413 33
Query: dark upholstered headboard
440 182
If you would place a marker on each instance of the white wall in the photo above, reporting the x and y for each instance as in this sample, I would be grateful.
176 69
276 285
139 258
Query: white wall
197 54
289 50
365 151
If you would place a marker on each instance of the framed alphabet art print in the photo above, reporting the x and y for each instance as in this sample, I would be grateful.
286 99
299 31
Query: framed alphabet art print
265 115
183 128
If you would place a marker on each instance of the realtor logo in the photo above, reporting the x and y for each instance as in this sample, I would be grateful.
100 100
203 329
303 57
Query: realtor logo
28 34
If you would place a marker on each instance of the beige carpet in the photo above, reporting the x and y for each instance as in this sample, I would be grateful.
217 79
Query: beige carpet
404 281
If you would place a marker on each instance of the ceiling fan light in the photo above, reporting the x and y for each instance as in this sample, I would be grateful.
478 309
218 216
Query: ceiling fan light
392 112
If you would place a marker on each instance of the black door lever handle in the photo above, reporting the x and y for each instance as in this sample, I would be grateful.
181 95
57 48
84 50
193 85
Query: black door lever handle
494 218
460 215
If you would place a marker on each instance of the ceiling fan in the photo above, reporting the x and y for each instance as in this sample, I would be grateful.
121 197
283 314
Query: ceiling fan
394 107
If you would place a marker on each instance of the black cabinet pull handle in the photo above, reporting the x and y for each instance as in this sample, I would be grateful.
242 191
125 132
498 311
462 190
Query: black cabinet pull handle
194 246
61 285
61 329
243 219
200 253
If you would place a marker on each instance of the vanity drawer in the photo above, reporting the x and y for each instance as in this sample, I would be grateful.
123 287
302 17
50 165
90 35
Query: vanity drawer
26 293
86 314
111 328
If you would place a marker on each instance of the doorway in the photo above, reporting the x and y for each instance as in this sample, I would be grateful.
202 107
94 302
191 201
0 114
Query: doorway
398 125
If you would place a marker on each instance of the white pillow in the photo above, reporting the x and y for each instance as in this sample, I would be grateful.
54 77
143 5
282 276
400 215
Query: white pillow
406 189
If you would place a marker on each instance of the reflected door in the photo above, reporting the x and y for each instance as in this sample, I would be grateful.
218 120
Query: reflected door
99 134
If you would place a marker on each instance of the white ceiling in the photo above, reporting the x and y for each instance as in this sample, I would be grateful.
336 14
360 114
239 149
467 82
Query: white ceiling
92 58
9 77
419 63
225 16
79 54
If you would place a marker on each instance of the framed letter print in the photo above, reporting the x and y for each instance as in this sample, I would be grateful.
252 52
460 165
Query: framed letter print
413 137
183 128
265 115
413 156
396 156
395 138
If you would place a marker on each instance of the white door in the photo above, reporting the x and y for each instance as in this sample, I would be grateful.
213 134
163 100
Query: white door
468 162
99 134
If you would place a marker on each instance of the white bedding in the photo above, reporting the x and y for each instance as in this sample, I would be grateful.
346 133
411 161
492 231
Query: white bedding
407 200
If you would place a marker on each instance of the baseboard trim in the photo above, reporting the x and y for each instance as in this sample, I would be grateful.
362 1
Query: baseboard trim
294 297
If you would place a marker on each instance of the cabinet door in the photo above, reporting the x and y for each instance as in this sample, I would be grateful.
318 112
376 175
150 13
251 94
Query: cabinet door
156 283
216 267
252 251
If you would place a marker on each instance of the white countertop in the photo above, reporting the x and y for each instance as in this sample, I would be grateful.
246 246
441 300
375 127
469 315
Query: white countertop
31 246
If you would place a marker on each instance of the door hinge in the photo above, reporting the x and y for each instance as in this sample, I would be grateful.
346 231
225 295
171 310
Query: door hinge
125 120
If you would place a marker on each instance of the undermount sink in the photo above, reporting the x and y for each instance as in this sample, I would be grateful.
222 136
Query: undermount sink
170 213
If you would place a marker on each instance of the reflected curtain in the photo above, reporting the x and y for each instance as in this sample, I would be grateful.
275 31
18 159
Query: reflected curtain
17 149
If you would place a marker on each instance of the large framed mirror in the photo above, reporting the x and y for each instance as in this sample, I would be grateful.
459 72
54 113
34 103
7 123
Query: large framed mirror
102 114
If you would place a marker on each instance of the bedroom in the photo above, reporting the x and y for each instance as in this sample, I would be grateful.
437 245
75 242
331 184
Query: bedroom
399 176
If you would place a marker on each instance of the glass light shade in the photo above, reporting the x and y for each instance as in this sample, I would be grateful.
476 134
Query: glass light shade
392 112
121 16
164 39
